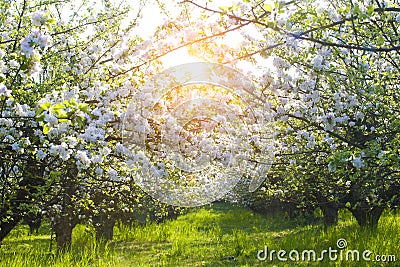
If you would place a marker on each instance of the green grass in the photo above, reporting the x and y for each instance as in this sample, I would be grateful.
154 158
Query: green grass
217 235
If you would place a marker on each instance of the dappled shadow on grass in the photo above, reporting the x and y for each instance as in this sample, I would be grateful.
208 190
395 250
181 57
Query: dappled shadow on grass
26 244
137 246
233 235
216 235
231 217
22 230
26 251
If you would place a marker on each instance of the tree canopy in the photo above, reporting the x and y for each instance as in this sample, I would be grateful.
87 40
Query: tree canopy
316 119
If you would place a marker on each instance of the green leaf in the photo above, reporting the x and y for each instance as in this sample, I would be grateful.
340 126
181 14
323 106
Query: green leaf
83 107
51 21
12 56
380 40
55 174
356 9
66 103
370 10
25 65
46 129
81 121
61 114
73 102
267 7
41 117
224 8
45 106
58 107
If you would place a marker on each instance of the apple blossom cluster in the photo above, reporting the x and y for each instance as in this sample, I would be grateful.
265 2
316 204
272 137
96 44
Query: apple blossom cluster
35 39
337 115
4 91
203 136
39 18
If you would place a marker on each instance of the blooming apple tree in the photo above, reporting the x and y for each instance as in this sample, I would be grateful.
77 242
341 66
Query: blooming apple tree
60 110
330 83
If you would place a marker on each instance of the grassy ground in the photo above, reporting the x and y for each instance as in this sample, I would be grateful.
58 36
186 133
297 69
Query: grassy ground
217 235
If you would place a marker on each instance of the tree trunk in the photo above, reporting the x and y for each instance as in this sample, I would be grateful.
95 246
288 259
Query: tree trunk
367 217
331 213
22 200
34 220
63 227
7 226
65 222
104 227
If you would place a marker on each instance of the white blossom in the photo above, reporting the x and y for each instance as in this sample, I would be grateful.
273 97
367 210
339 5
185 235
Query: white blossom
26 48
358 163
38 18
113 174
34 38
50 118
40 154
15 147
331 167
83 158
317 61
4 91
13 64
98 171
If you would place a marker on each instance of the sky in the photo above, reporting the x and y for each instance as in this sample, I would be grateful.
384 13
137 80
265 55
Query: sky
152 17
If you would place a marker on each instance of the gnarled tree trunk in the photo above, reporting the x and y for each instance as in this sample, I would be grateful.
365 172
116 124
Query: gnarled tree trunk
7 225
367 217
66 220
63 226
18 204
330 211
104 226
